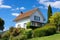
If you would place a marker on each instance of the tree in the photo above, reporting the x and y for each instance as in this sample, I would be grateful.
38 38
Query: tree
28 25
49 13
55 19
11 29
1 24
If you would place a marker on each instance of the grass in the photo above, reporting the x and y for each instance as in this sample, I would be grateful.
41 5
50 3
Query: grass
52 37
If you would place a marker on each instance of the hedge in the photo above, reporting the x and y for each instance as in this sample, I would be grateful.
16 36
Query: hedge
44 31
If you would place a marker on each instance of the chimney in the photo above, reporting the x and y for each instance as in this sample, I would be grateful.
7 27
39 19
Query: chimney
21 12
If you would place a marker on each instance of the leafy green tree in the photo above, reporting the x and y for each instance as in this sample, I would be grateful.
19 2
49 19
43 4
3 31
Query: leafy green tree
1 24
11 29
55 20
28 24
49 13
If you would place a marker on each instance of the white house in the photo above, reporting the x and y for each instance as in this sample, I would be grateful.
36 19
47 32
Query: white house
34 16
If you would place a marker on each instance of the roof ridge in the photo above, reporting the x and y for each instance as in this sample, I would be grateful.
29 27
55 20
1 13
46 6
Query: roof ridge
31 10
26 14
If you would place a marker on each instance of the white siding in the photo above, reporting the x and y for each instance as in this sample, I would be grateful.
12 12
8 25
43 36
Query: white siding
31 18
21 22
36 14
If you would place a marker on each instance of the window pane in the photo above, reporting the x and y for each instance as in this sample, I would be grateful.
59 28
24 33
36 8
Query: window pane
37 18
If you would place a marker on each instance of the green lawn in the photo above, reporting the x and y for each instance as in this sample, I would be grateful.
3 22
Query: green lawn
52 37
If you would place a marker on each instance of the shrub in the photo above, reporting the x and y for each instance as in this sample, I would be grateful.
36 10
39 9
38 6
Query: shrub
44 31
50 29
55 19
11 29
16 32
28 24
28 33
19 37
38 32
11 37
24 35
6 35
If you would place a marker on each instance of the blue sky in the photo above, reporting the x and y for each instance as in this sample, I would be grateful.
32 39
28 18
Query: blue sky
10 9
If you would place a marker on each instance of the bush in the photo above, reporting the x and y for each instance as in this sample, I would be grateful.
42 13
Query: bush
24 35
11 29
50 29
38 32
6 35
11 37
28 33
20 37
10 34
44 31
28 25
16 32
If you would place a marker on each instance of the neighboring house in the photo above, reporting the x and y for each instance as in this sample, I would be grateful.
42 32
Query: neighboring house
34 16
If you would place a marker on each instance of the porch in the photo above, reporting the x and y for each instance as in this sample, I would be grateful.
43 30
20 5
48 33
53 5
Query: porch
36 24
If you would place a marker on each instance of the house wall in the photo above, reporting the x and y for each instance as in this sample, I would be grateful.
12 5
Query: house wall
31 18
37 14
21 22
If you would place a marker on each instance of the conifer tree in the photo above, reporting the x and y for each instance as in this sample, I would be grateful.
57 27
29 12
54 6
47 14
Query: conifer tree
49 13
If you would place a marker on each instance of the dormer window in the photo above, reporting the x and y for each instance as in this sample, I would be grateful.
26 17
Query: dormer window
36 18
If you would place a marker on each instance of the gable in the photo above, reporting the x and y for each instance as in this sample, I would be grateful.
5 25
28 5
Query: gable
24 15
28 14
38 14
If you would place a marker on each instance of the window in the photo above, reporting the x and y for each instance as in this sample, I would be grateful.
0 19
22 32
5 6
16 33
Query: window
24 24
18 25
37 18
32 23
36 24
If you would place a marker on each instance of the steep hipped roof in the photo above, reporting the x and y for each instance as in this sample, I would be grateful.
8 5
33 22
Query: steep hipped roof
26 14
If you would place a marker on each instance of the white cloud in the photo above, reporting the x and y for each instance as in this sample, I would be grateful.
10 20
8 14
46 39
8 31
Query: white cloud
43 7
42 1
55 4
17 8
40 6
15 14
4 6
22 8
1 1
